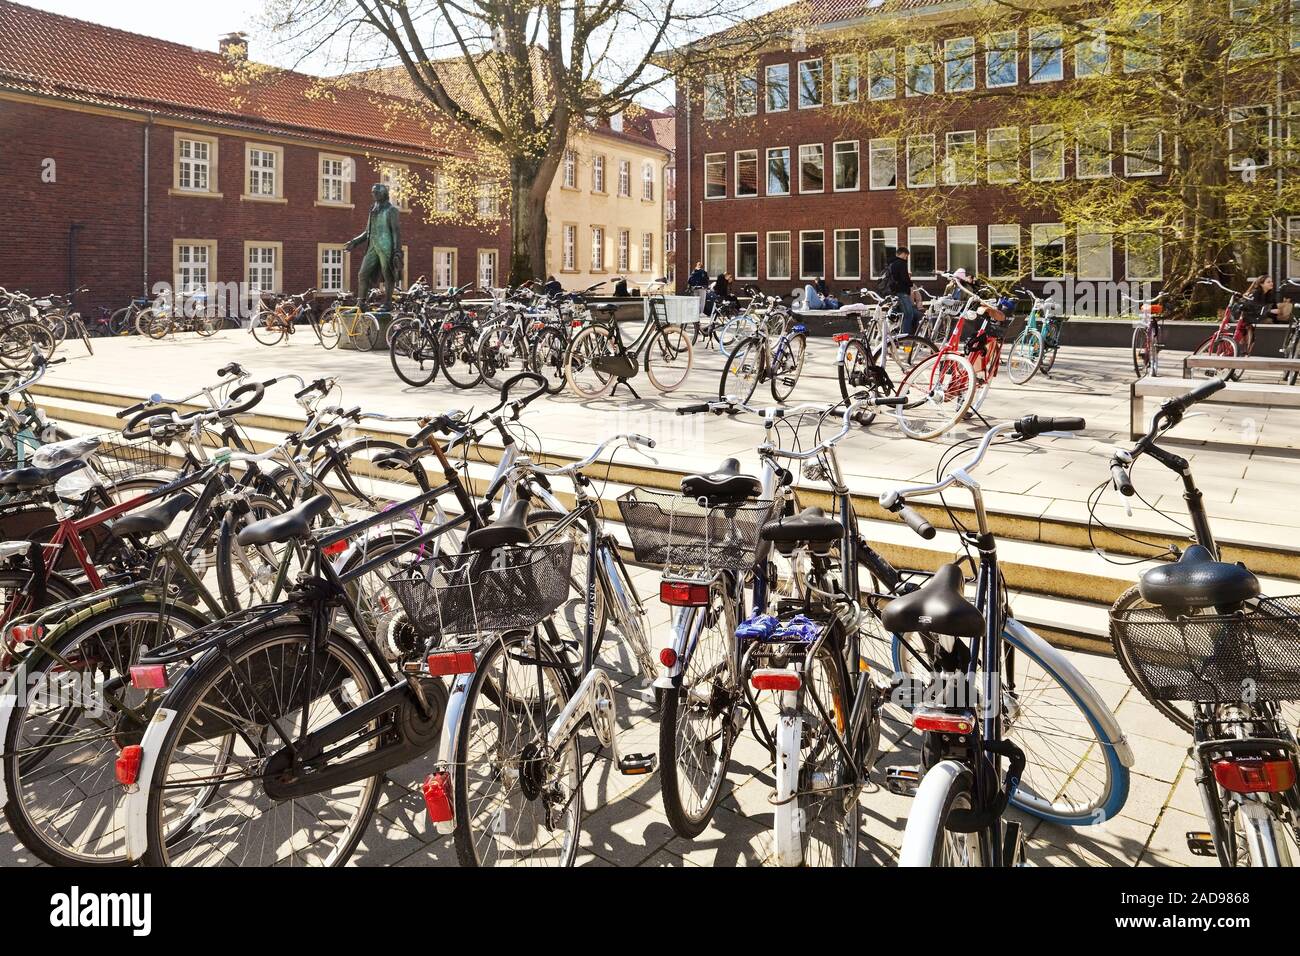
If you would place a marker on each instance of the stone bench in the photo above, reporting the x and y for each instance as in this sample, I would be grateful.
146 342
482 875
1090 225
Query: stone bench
1244 363
1236 393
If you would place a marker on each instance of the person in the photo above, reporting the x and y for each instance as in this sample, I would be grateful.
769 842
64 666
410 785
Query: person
1259 304
817 296
957 286
900 281
620 288
552 286
722 289
698 279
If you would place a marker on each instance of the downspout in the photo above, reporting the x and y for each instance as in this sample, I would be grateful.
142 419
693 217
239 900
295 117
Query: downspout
1282 247
690 206
144 235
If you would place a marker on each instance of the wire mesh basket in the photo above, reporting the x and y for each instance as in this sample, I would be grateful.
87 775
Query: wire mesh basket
503 590
678 532
1208 657
116 458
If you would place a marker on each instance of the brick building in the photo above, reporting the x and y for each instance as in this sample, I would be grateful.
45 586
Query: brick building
127 161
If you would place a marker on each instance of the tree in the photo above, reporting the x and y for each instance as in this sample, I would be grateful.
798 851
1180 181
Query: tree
510 81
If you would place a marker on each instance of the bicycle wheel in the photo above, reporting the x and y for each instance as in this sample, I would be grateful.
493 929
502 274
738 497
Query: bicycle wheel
547 358
745 367
787 365
413 353
327 329
457 356
65 733
741 327
585 380
939 391
207 802
246 575
21 343
929 838
1217 346
669 359
395 326
122 321
267 328
700 718
366 335
518 802
1025 357
207 326
154 325
362 488
1141 350
502 352
904 352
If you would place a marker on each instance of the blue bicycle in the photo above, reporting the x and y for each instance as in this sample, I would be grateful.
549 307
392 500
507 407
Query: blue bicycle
1035 348
757 358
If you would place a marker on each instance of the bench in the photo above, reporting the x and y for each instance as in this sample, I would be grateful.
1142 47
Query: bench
1236 393
1245 363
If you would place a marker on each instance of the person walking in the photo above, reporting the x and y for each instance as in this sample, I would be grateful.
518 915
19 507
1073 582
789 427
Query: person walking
697 284
900 284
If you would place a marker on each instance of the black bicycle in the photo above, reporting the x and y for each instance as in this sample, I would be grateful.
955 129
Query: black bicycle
599 360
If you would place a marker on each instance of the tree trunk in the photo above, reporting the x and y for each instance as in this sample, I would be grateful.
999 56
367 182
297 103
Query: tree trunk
530 180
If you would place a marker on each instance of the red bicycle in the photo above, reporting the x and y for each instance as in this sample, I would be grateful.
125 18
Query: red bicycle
1235 335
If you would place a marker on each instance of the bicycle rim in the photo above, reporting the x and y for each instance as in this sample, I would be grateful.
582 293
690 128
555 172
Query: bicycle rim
669 358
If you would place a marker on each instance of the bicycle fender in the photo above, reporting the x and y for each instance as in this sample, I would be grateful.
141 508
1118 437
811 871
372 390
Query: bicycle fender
137 798
926 815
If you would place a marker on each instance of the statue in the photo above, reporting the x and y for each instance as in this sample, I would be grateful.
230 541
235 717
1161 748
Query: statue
383 259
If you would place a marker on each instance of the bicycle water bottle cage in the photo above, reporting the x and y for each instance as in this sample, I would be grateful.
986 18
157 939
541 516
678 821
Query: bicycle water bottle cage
1196 580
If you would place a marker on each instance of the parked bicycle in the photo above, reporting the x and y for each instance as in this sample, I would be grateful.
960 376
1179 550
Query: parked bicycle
599 360
1038 343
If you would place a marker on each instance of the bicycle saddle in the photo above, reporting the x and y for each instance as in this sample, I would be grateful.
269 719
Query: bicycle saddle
294 523
508 529
153 520
812 525
1197 580
603 307
32 478
936 607
725 484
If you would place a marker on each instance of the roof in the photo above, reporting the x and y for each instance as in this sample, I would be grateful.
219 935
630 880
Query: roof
51 55
812 14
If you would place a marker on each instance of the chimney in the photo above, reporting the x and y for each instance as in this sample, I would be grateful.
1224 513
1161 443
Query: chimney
234 46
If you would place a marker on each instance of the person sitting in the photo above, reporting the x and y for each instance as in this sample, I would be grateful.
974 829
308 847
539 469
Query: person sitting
552 286
817 296
1259 304
958 286
722 289
620 288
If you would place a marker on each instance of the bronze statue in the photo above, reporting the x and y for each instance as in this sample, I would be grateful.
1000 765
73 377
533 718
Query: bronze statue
383 259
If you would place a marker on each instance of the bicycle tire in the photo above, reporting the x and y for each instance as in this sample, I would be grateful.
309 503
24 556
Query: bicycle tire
928 839
547 358
264 333
1219 346
942 385
456 353
414 344
1025 357
787 366
745 367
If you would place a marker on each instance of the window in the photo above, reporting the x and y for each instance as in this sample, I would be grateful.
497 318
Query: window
597 249
1092 153
960 158
648 182
1142 52
715 253
598 174
746 95
812 168
570 180
487 268
1004 155
848 254
1046 153
778 171
921 243
920 69
196 164
844 78
746 255
920 161
1004 252
1143 150
262 267
647 252
778 255
1095 253
964 249
846 166
882 74
746 172
1047 250
1002 59
263 164
624 251
331 268
394 177
1251 29
570 252
715 96
883 160
959 65
624 177
810 84
884 243
1092 53
1046 62
1248 138
195 265
715 175
812 254
777 87
489 202
444 268
1144 257
335 187
444 199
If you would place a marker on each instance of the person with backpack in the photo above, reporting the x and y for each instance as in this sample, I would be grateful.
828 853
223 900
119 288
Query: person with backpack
897 280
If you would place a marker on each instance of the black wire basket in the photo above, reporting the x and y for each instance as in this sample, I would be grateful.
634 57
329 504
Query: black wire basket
478 592
117 459
679 533
1186 655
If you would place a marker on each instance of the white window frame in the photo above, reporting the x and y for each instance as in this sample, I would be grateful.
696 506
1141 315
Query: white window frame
999 236
856 275
647 181
323 268
950 177
887 236
1037 76
718 240
715 96
1097 27
444 251
715 161
920 56
1087 233
812 232
569 247
624 251
889 144
1036 136
193 163
276 265
1109 153
767 170
490 255
598 249
919 236
838 63
948 61
821 83
569 169
1129 156
949 233
735 163
742 82
1015 152
835 167
1160 258
1242 114
330 182
184 263
1147 24
821 148
789 259
994 43
625 177
647 252
1058 229
889 56
598 174
735 239
768 85
263 171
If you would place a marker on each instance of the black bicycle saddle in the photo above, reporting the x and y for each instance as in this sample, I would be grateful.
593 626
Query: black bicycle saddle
510 528
937 607
723 485
1197 580
812 525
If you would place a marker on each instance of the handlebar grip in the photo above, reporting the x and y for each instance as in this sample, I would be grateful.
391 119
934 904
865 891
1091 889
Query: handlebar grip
1202 392
1119 475
234 368
316 386
233 404
140 423
138 406
641 440
323 436
423 435
508 384
1032 426
693 409
917 523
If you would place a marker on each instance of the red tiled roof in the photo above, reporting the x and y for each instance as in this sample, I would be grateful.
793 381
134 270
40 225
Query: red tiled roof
48 54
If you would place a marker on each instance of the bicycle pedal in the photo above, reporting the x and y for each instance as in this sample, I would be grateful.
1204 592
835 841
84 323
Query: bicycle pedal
1201 843
903 780
636 765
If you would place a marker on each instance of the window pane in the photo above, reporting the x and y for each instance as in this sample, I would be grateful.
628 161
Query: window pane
1092 158
1046 153
1048 250
810 83
963 249
1094 253
884 164
884 242
1092 54
920 161
778 255
1004 252
715 175
812 255
844 79
959 64
1145 259
920 70
746 95
811 168
1045 57
846 165
778 171
747 172
882 73
1144 52
715 254
1142 150
848 254
715 96
777 86
960 159
1004 155
747 255
1001 60
921 244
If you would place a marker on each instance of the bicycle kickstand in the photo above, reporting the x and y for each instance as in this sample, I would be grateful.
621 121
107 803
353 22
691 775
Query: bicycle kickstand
627 385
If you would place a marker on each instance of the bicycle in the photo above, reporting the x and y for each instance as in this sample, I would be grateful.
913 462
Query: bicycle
1038 343
347 318
599 360
165 317
1235 335
970 677
276 323
755 359
863 358
1147 346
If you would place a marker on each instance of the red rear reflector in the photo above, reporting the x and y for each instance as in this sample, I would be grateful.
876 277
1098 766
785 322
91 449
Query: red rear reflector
1255 775
773 679
576 324
668 657
437 796
447 326
445 665
128 765
842 337
941 723
24 633
335 549
684 593
149 677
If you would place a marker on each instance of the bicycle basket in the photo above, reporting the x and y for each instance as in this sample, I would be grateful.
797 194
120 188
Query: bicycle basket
503 590
117 458
678 532
1253 654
